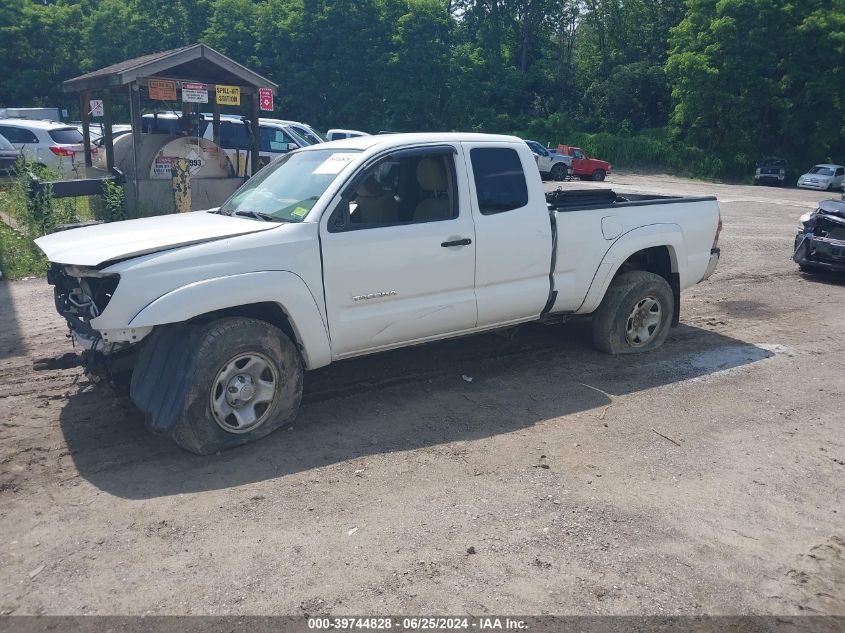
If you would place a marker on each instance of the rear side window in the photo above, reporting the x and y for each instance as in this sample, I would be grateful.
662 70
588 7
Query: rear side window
234 135
66 136
499 180
17 134
840 171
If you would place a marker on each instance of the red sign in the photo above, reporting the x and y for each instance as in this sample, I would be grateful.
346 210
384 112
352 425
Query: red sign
265 98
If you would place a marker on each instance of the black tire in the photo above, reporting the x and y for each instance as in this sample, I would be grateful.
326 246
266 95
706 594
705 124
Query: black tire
599 175
218 344
558 172
612 319
804 268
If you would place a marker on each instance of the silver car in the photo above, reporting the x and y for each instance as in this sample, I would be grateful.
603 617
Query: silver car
823 177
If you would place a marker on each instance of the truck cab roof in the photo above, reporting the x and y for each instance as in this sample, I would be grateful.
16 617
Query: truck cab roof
388 141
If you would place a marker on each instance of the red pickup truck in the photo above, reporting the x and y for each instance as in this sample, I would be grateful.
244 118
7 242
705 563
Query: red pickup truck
583 166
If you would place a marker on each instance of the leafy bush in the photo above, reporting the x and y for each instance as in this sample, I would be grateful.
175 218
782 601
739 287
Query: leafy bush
33 216
114 203
41 213
652 149
18 255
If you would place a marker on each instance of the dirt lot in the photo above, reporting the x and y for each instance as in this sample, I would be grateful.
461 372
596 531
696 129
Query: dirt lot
547 464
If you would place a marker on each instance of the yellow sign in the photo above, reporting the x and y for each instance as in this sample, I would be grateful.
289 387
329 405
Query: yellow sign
228 95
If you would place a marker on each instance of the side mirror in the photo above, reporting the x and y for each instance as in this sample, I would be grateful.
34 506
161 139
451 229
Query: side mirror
292 146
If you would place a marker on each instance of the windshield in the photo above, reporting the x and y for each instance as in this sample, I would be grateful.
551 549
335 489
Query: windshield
821 171
297 137
308 136
285 190
5 144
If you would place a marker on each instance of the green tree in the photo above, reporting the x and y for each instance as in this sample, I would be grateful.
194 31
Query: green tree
755 76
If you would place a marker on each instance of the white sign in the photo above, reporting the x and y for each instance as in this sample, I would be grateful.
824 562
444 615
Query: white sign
195 162
334 163
96 107
195 93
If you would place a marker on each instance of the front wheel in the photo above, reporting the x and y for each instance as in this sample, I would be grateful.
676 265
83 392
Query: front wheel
559 172
599 175
247 383
635 314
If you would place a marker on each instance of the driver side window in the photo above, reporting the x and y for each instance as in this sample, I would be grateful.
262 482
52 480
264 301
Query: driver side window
400 190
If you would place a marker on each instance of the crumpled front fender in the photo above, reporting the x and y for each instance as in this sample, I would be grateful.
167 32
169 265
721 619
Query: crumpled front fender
284 288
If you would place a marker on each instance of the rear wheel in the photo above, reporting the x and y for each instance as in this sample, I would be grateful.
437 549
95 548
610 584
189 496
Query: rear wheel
247 383
635 314
599 175
559 172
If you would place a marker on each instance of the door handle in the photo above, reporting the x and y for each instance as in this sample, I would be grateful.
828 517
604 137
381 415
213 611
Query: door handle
464 242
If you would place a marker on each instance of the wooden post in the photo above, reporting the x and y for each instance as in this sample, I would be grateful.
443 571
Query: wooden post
215 123
256 135
84 105
135 112
135 121
107 135
181 179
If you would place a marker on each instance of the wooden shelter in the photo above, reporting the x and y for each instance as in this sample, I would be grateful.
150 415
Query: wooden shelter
194 64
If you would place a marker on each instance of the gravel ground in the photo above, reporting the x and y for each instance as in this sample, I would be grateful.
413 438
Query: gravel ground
542 486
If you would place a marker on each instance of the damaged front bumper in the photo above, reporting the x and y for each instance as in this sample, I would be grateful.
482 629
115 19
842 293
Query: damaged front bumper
81 295
820 242
823 253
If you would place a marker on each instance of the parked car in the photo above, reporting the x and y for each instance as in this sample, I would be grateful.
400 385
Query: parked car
50 144
551 164
382 241
9 156
820 242
583 166
275 137
95 130
771 171
100 159
823 177
337 134
304 130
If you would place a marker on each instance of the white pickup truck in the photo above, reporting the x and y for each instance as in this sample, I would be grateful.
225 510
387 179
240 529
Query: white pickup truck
358 246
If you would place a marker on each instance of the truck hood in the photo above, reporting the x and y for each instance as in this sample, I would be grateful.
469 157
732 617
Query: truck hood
101 243
834 208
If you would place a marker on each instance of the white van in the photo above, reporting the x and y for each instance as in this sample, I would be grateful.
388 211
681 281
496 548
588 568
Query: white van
337 134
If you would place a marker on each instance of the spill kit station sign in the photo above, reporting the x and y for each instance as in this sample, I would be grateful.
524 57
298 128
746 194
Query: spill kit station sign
228 95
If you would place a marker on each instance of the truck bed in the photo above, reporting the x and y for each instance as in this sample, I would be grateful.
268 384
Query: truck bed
615 226
563 200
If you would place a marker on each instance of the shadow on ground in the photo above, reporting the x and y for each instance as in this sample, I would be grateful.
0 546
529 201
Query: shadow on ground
396 401
11 339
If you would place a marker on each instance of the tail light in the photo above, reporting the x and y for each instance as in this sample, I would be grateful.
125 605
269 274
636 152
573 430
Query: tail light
93 149
718 232
62 151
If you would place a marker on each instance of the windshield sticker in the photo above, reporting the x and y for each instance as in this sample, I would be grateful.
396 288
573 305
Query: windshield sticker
299 212
334 163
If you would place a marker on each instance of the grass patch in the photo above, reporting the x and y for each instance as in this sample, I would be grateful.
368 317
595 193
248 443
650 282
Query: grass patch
19 257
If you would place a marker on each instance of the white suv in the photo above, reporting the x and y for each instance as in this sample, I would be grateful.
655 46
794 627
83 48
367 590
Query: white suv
47 143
